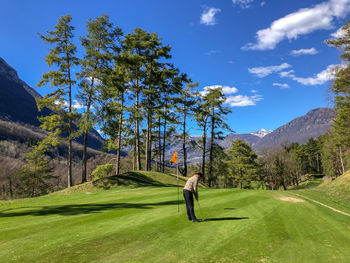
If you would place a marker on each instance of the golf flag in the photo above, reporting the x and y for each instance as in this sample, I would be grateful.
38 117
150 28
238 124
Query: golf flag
174 158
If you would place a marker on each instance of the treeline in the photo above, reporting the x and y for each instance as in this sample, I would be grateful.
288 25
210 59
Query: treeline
126 86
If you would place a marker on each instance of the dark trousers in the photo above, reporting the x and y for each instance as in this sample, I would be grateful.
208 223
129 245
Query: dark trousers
189 204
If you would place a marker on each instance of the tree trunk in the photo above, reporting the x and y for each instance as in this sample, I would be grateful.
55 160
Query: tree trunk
163 148
150 144
70 130
210 175
147 144
10 187
137 134
159 145
84 165
204 145
184 145
117 172
341 160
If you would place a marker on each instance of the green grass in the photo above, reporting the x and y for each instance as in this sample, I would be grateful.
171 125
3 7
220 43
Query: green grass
142 224
308 184
335 193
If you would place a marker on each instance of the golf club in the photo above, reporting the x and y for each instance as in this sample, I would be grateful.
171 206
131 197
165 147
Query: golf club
200 212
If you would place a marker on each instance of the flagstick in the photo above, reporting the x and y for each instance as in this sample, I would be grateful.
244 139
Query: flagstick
177 181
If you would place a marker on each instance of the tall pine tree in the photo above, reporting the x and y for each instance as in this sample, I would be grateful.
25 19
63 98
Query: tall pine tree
62 56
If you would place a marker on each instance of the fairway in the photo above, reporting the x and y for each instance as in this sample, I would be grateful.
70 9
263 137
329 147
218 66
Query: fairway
143 225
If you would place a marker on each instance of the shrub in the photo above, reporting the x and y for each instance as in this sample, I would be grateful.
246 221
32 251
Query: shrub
102 171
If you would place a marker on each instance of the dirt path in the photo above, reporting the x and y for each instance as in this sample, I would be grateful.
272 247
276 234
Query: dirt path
329 207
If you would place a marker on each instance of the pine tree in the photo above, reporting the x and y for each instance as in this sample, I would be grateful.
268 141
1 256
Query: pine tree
202 113
242 163
112 110
216 99
341 90
185 106
33 177
62 55
102 45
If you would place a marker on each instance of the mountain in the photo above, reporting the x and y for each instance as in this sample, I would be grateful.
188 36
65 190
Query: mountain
17 103
261 133
312 125
17 99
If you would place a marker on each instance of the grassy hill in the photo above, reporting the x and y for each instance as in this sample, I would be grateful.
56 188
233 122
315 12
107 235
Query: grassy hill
335 193
138 221
340 187
129 179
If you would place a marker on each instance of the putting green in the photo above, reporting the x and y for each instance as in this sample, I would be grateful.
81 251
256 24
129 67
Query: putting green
143 225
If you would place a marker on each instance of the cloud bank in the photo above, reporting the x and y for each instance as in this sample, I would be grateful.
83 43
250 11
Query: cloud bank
309 51
318 79
281 85
235 100
242 100
265 71
301 22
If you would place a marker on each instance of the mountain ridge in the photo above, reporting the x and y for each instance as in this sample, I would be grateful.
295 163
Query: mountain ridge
17 103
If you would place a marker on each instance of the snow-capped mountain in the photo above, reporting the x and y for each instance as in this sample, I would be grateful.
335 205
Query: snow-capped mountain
261 133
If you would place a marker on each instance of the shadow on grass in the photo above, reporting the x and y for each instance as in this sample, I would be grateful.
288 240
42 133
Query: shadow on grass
77 209
222 219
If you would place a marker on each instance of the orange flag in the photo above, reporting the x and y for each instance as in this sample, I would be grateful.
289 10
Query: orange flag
174 158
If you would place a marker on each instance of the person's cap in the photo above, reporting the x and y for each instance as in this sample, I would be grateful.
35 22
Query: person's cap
200 174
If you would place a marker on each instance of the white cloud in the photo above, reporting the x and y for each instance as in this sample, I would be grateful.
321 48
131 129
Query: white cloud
265 71
281 85
242 3
226 90
339 33
237 100
287 74
77 105
304 51
208 16
253 91
319 79
301 22
230 62
262 3
242 100
213 52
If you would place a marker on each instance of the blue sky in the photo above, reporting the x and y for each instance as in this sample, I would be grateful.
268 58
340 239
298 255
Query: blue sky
269 54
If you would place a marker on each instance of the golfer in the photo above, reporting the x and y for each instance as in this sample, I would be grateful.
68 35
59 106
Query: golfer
190 189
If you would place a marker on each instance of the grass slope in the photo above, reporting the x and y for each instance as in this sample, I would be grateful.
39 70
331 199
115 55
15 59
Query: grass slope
335 193
142 224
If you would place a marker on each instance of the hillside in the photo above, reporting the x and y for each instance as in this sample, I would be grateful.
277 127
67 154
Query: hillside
17 104
17 139
312 125
130 179
335 193
339 188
